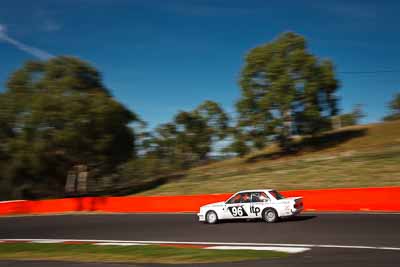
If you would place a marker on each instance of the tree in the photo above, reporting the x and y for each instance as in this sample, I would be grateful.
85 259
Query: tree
351 118
190 137
163 145
285 90
238 144
193 138
394 107
215 117
5 134
59 115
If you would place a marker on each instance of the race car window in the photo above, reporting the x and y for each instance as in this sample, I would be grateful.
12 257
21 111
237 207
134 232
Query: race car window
276 194
259 197
245 198
233 199
239 198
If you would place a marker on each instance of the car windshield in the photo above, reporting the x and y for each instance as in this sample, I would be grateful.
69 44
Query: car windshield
276 194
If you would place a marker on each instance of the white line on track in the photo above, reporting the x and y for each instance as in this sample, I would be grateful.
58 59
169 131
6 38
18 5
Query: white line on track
118 244
50 241
204 243
280 249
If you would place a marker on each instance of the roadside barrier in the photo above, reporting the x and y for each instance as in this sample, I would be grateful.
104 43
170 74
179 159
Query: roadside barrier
383 199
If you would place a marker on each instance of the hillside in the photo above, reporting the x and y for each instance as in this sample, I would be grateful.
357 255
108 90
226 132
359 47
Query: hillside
357 156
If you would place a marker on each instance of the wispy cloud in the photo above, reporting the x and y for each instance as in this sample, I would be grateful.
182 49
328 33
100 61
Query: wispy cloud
41 54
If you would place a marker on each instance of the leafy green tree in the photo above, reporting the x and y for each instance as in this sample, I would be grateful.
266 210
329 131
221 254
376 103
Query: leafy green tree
238 144
194 137
5 134
191 136
285 90
394 107
162 145
57 115
180 143
351 118
215 117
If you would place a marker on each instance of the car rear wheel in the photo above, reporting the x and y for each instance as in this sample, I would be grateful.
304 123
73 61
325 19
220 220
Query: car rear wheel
211 217
270 215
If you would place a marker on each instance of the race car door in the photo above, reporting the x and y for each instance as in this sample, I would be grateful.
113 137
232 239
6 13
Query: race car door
258 201
238 206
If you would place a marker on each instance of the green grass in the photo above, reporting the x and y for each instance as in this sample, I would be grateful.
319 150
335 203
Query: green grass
359 156
131 254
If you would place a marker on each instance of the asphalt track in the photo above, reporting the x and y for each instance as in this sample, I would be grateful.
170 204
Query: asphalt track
336 230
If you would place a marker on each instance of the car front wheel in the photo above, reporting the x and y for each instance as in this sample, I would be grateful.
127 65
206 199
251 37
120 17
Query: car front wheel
270 215
211 217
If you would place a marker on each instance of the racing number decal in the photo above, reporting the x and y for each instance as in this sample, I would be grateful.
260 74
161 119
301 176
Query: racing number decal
237 211
255 210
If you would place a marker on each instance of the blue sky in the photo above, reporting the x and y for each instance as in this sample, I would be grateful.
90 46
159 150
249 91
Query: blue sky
159 57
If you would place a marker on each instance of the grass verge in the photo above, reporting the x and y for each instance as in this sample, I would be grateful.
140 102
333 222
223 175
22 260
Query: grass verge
131 254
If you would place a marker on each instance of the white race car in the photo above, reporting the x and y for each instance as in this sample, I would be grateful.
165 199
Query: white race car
267 204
